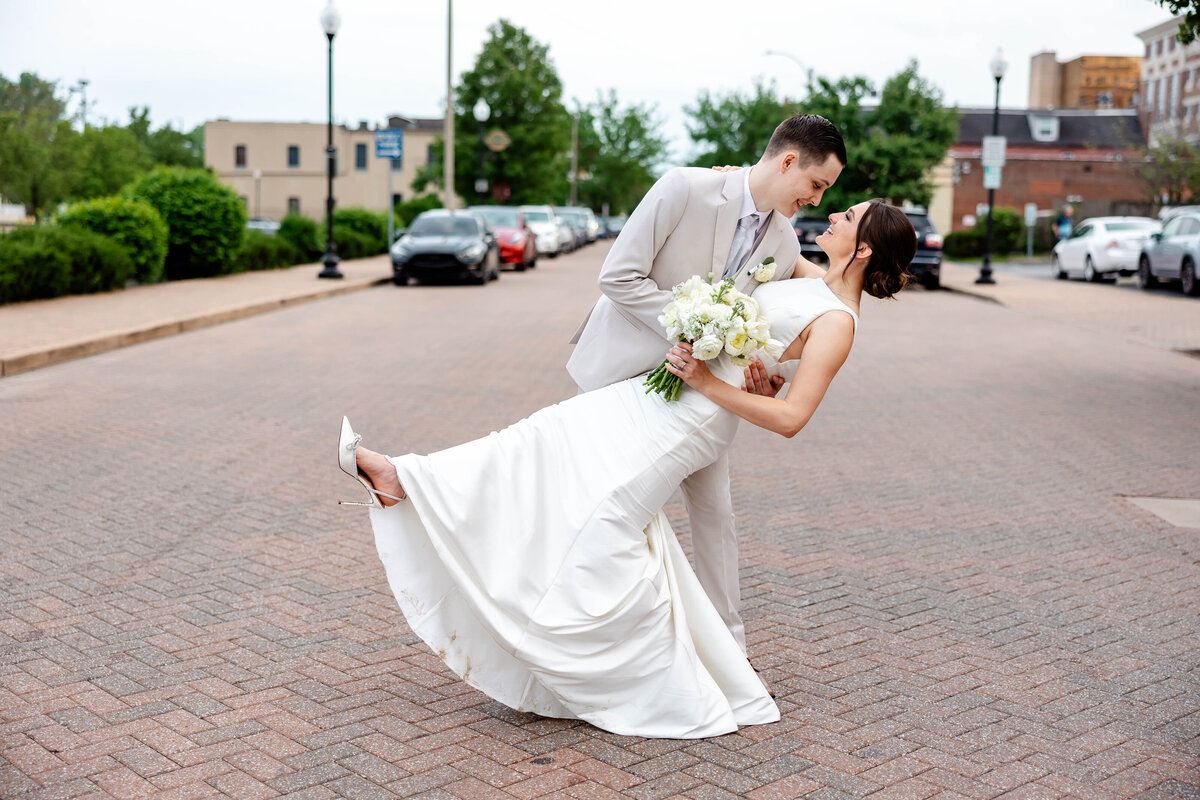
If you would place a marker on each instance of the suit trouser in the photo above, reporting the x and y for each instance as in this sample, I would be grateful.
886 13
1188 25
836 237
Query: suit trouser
709 503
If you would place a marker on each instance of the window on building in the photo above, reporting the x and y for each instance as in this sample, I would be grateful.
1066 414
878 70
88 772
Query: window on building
1043 129
239 156
360 157
429 156
293 156
245 200
293 205
397 164
397 199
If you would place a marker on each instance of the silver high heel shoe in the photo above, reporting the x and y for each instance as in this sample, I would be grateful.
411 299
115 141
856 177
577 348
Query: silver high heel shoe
347 460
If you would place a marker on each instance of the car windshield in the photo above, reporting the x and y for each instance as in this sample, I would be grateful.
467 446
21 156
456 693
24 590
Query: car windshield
919 221
443 226
537 216
1129 226
498 217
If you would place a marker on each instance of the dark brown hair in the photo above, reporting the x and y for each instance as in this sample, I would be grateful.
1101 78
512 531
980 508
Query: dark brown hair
893 242
810 135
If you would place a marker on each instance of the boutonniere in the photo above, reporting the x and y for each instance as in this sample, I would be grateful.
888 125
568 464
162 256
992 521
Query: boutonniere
764 271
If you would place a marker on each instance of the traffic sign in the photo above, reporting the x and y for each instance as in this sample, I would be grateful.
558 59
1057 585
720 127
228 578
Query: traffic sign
993 151
389 143
1030 214
497 141
991 177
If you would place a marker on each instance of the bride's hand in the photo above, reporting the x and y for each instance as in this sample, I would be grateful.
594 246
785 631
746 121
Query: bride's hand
692 370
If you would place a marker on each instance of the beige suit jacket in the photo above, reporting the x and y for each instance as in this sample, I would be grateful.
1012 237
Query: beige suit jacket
684 226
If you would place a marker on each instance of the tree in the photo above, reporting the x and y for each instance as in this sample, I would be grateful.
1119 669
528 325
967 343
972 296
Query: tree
1189 28
517 79
110 157
734 128
1171 170
618 148
37 145
165 146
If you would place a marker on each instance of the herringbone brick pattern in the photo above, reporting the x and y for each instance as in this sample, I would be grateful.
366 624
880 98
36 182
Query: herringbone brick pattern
941 577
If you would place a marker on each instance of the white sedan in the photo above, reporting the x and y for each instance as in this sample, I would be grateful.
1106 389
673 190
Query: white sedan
1103 247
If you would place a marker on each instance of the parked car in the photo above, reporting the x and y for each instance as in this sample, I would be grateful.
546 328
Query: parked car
807 230
445 245
1172 254
1102 248
614 226
581 219
267 226
517 242
544 225
926 265
568 239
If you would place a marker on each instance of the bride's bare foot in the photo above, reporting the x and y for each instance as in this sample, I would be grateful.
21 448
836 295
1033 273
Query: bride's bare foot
380 472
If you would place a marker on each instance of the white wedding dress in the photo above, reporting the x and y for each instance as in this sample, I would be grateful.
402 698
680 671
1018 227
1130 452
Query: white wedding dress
537 564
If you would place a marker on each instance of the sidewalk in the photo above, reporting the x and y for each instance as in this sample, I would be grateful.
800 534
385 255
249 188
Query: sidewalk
44 332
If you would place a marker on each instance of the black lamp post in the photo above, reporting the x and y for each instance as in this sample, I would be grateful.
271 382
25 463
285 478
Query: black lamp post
482 111
330 20
999 66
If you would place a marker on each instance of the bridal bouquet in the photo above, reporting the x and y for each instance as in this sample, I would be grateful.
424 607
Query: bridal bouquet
713 320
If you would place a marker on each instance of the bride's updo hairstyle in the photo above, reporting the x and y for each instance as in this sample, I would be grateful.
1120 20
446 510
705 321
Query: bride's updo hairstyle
893 242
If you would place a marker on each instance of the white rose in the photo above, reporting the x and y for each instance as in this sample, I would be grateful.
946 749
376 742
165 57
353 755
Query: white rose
765 271
735 344
759 329
740 361
774 348
707 347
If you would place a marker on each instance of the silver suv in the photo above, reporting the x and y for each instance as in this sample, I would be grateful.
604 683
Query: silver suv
1173 254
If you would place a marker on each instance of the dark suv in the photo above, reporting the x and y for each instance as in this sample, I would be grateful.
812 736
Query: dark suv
927 263
807 230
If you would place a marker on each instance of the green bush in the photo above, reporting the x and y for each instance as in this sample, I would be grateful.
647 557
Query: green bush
963 244
352 244
372 225
134 225
49 260
263 251
407 211
304 237
1008 230
206 220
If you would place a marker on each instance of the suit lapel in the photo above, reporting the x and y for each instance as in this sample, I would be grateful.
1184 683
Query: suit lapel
765 246
726 221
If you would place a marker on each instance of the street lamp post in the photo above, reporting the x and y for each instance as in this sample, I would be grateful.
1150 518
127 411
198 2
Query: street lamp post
481 111
330 20
999 66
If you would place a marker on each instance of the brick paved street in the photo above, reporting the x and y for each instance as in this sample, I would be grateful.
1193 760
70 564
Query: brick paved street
942 577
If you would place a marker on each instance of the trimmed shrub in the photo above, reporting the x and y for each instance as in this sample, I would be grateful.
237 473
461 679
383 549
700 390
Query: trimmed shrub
206 220
262 251
963 244
304 237
134 225
407 211
371 225
352 244
1008 230
49 260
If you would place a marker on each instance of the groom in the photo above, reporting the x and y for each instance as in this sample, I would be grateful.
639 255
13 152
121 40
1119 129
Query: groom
693 222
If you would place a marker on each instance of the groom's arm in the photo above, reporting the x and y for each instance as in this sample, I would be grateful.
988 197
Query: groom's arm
625 276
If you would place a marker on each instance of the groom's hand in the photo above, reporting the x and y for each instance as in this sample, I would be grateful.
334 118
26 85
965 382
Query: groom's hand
759 382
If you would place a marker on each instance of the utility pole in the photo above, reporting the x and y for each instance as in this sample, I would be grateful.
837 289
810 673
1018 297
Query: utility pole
574 157
448 127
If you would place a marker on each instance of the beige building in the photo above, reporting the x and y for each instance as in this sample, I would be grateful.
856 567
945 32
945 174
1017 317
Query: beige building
279 167
1084 82
1170 106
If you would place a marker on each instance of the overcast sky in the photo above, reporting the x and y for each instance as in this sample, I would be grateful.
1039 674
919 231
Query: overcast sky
265 59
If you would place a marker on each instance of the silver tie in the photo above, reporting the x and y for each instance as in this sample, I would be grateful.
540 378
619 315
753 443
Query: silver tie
743 243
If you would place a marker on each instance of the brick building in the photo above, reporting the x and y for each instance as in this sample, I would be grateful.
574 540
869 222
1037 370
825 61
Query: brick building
1170 93
1084 82
1084 157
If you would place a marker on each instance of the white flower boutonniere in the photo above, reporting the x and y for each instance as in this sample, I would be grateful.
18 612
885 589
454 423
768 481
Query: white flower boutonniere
765 271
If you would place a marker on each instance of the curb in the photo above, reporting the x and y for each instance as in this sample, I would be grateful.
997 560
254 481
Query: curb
82 348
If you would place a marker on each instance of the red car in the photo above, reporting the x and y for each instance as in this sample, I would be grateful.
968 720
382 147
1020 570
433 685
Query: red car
518 246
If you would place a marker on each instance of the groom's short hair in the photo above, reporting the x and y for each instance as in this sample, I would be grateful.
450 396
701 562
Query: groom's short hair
811 135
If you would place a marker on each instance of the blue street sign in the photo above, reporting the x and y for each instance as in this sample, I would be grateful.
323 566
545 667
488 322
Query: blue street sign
389 143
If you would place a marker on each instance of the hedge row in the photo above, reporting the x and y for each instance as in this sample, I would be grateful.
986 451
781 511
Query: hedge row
51 260
1008 236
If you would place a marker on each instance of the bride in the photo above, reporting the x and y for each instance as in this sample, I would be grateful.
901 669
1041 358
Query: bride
536 561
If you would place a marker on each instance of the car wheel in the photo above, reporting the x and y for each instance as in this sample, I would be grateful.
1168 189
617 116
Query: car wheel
1056 268
1187 279
1089 271
931 282
1146 277
400 278
553 254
